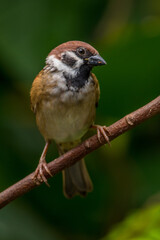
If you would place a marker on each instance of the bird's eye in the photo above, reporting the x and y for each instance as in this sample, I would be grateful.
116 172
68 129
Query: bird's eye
81 51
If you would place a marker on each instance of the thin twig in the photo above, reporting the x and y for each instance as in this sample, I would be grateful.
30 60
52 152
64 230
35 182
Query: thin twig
89 145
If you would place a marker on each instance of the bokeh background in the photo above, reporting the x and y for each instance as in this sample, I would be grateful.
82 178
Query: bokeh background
125 203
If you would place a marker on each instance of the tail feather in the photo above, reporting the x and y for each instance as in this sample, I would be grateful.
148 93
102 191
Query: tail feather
69 189
76 179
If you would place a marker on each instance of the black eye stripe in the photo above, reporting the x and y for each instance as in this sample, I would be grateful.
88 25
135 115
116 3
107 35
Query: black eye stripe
68 60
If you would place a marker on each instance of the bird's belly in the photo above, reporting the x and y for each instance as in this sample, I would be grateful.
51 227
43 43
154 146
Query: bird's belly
66 122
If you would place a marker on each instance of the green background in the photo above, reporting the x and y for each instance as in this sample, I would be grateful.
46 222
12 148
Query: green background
126 176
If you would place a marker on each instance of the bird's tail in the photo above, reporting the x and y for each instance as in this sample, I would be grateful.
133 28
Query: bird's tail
76 179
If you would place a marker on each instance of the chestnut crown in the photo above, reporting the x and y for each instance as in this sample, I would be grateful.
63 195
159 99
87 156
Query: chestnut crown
72 46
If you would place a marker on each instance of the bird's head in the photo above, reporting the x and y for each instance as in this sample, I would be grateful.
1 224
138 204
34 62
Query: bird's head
73 56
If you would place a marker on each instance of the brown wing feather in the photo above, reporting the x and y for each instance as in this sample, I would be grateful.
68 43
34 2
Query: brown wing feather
97 89
40 90
36 91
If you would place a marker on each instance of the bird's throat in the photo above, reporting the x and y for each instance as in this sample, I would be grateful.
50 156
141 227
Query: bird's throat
78 81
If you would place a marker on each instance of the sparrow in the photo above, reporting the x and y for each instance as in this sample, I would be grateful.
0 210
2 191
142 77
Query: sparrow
64 97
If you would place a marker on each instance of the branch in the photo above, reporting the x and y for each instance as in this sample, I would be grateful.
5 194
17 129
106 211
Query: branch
89 145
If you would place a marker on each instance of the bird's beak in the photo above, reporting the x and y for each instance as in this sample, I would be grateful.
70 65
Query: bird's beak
96 60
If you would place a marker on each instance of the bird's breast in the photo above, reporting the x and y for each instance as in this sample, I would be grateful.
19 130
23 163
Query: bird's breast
67 116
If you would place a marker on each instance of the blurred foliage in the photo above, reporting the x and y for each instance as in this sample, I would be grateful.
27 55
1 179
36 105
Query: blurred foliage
144 224
127 35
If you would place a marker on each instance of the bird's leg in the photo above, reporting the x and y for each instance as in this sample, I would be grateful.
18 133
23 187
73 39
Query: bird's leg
101 130
42 166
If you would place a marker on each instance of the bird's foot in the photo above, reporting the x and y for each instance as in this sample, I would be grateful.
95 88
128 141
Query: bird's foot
101 130
39 176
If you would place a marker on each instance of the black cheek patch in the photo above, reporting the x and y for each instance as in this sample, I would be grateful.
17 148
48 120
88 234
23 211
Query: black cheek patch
68 60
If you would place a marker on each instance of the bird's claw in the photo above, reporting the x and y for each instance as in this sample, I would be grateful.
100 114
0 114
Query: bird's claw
39 176
101 130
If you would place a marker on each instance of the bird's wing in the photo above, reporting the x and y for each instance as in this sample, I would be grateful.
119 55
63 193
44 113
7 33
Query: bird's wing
36 91
97 89
39 89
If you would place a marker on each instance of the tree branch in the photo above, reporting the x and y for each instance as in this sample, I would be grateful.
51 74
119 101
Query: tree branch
89 145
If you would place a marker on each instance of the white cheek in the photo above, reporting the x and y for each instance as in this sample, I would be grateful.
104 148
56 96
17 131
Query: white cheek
53 61
59 65
79 61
